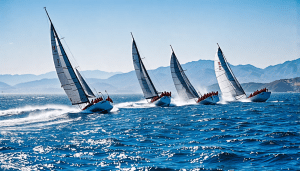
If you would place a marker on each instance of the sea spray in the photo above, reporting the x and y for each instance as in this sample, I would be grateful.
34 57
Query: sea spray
29 115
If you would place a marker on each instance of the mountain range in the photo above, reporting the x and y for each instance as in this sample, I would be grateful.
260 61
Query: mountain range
16 79
200 73
282 85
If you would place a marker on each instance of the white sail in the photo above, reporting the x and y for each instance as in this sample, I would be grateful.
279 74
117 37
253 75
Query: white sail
86 88
226 79
68 79
183 86
142 74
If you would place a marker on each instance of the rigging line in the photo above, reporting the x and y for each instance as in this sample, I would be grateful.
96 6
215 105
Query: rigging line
228 69
185 72
67 55
87 81
85 78
70 51
153 75
231 71
48 22
76 63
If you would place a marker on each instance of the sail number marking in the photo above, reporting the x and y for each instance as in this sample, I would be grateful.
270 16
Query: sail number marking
220 66
58 62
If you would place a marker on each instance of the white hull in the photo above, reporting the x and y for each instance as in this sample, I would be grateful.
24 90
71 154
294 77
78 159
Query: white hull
210 100
261 97
164 101
101 107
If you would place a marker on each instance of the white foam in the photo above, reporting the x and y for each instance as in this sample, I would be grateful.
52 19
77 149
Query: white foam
138 104
247 100
277 101
36 115
16 111
179 102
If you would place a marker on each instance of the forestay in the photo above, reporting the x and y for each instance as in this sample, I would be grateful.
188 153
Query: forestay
226 79
68 79
86 88
183 86
142 74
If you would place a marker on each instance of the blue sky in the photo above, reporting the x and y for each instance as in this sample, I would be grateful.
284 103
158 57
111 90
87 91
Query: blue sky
256 32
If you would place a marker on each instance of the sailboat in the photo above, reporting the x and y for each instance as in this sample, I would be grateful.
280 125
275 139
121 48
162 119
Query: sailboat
148 88
184 88
228 83
71 80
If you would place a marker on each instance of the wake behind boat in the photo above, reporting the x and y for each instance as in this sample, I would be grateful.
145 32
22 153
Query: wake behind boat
228 83
148 88
184 87
72 82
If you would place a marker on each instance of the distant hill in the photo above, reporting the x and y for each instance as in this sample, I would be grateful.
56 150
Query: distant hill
16 79
52 86
282 85
5 87
285 85
200 73
39 86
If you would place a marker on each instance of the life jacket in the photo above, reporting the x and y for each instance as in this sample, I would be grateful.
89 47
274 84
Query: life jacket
199 99
109 99
154 99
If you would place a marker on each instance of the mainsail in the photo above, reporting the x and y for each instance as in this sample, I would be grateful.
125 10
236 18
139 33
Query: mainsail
226 79
68 79
86 88
183 86
142 74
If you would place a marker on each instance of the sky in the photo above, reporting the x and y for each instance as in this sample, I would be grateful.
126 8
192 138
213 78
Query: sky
97 32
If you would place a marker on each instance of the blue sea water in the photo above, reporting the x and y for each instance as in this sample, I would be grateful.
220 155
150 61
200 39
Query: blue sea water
44 132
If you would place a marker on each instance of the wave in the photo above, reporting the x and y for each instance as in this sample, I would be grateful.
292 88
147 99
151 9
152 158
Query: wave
35 116
282 134
225 157
36 108
276 101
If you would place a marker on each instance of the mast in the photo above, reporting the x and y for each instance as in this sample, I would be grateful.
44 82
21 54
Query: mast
72 69
48 14
226 79
181 81
172 49
144 69
231 71
85 86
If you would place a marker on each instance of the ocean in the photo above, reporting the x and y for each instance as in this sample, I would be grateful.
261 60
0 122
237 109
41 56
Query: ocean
45 132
